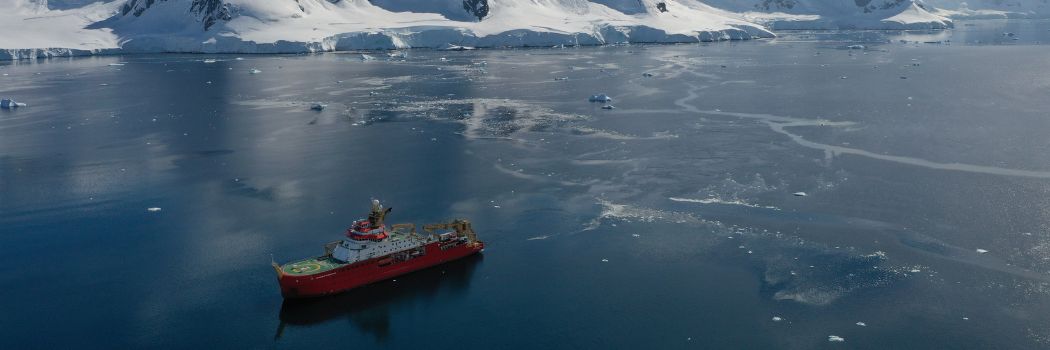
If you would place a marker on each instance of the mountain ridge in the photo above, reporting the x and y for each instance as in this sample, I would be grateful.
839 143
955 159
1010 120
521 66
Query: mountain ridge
291 26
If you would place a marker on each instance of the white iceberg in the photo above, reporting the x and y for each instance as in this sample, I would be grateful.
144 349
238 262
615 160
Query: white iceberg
8 104
451 47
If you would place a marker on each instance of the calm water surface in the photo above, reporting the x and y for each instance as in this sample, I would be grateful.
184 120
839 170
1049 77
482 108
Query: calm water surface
667 222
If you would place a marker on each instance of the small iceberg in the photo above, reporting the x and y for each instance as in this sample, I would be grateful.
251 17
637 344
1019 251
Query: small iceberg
777 319
862 324
981 251
856 47
115 64
153 209
254 71
318 106
561 78
367 57
451 47
608 107
9 104
210 60
647 75
799 194
836 339
603 98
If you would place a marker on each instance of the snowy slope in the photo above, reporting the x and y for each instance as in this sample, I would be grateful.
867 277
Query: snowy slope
323 25
32 30
837 14
973 9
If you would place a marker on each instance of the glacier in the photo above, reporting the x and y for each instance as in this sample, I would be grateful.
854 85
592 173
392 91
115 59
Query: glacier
37 28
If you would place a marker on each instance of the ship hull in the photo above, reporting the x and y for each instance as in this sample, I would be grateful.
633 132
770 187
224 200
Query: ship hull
370 271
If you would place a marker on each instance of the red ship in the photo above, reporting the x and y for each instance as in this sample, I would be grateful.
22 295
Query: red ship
371 253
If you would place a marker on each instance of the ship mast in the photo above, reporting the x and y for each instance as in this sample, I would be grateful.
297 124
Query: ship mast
375 218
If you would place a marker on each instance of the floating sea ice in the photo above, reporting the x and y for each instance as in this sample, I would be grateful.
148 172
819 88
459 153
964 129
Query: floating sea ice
318 106
635 235
367 57
603 98
8 104
862 324
855 47
608 107
561 78
981 251
115 64
210 60
254 71
799 194
647 75
605 260
153 209
450 47
836 339
239 58
915 271
777 319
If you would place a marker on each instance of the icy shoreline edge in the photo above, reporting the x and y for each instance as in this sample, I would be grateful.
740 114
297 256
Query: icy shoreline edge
393 40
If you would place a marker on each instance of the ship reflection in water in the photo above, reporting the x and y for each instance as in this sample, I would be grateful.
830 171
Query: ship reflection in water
368 307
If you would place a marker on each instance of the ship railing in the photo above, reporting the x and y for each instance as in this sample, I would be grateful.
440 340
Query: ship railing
410 227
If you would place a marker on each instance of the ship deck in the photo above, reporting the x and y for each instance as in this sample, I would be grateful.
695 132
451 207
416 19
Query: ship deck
316 265
311 266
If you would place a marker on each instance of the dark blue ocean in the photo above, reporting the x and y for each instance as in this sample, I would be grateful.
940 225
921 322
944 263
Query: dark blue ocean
670 221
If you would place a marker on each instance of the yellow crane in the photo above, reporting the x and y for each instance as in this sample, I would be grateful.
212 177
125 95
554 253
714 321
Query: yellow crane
461 226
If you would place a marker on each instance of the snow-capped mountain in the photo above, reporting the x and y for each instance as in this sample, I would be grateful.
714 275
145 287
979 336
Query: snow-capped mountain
992 8
841 14
270 26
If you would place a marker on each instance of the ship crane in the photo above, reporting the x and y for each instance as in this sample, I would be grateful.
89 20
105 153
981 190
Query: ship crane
461 226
